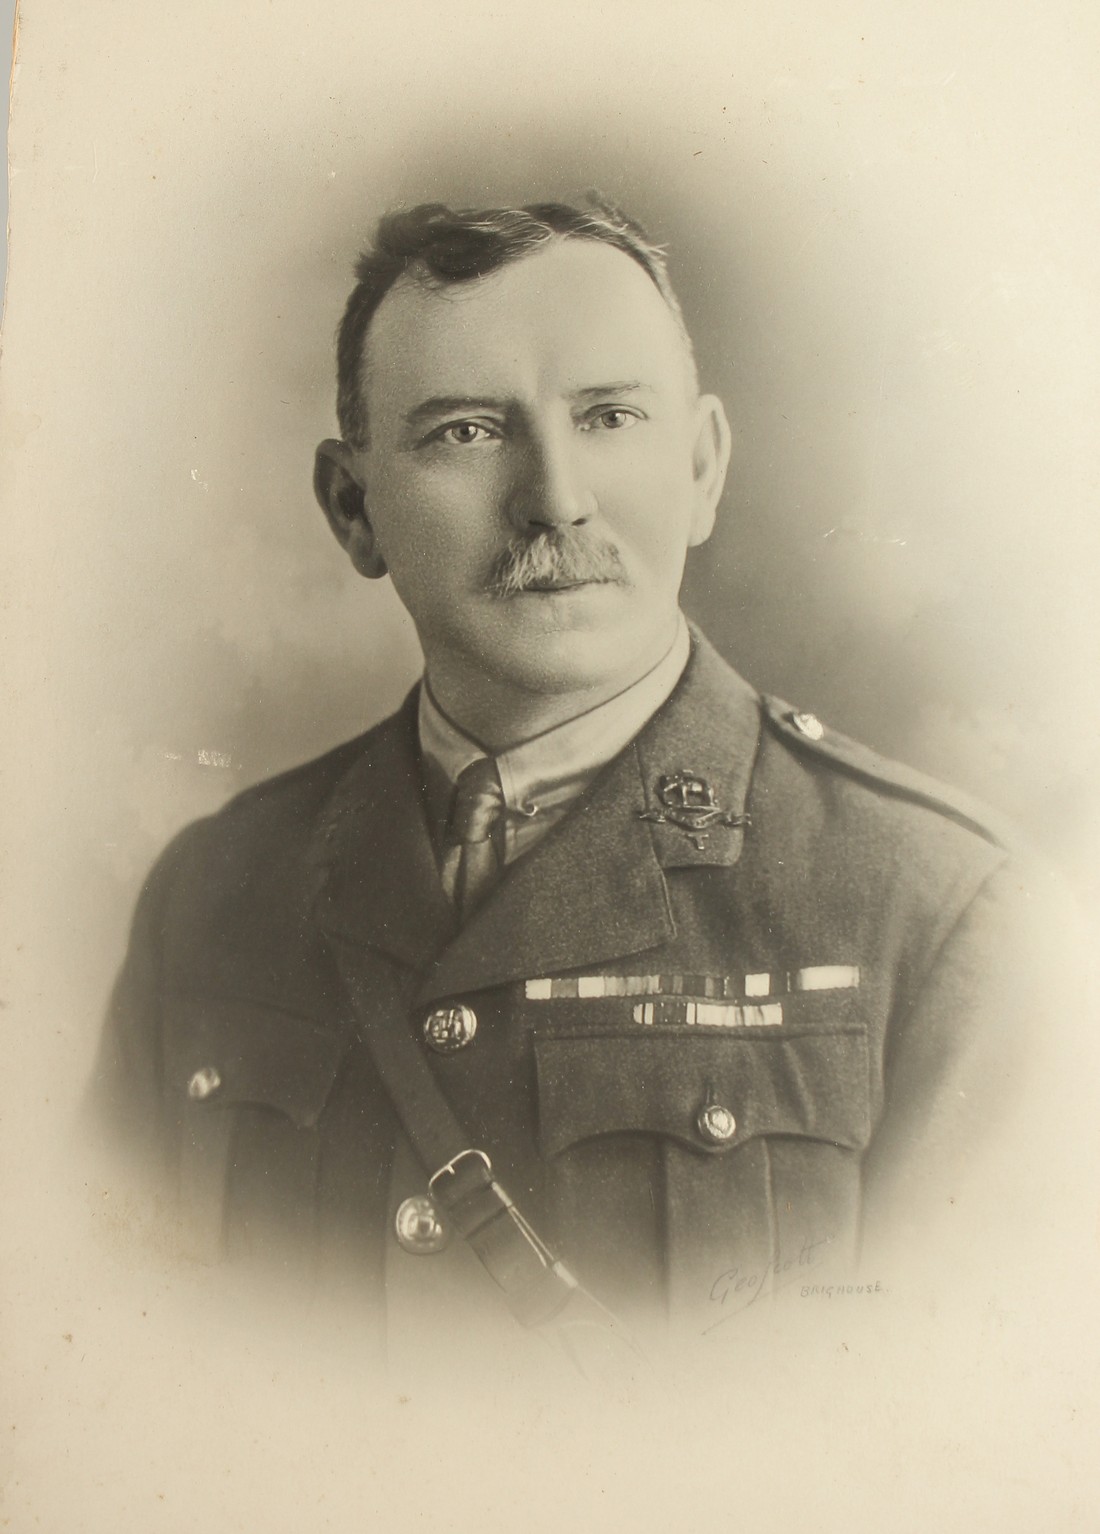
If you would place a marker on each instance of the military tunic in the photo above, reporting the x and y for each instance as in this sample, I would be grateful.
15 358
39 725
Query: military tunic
727 1043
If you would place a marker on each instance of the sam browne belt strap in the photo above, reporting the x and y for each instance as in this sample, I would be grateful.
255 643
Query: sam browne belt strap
537 1286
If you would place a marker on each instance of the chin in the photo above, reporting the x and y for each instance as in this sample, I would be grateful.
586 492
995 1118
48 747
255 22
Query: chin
567 659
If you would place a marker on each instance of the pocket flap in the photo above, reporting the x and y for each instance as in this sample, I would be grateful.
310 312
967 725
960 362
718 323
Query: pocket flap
813 1085
222 1051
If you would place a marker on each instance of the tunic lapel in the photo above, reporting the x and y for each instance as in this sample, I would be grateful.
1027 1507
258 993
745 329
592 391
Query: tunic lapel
592 891
378 881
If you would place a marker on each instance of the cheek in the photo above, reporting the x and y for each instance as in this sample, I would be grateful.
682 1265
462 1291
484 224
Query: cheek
651 508
425 533
429 567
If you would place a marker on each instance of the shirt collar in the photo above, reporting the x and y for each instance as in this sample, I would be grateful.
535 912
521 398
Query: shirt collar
557 765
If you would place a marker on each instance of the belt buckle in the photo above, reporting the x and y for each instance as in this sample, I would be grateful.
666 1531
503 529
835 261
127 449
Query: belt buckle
501 1204
449 1166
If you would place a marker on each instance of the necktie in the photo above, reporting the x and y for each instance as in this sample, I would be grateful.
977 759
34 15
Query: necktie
470 861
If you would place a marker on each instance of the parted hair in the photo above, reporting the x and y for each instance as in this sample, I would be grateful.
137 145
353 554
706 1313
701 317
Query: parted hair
438 245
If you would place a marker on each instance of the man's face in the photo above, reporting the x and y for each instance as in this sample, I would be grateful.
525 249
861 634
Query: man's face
550 402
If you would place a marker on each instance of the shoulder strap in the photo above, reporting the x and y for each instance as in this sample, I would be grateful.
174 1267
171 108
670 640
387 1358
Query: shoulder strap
537 1287
806 734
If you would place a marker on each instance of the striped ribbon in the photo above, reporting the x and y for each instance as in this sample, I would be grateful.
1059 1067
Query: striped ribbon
748 987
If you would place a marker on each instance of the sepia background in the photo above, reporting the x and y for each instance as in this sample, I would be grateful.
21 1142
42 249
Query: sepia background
882 223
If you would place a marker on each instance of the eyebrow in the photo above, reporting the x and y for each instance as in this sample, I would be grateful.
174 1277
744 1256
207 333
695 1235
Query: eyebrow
622 386
451 404
447 404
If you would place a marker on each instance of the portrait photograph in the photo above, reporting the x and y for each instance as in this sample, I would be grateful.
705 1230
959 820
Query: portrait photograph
552 779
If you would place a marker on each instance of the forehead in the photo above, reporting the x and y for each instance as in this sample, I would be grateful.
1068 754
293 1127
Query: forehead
572 314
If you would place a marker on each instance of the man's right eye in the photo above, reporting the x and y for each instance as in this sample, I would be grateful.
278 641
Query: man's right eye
463 433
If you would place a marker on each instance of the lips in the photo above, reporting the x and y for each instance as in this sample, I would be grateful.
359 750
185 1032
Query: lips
540 588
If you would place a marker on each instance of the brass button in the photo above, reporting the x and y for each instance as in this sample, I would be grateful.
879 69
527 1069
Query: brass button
203 1083
809 725
449 1028
716 1123
419 1227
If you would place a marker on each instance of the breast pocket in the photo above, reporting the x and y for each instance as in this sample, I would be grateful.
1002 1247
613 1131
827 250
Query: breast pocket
685 1154
711 1093
246 1085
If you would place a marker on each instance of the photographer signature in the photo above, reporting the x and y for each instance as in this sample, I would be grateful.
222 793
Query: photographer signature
737 1289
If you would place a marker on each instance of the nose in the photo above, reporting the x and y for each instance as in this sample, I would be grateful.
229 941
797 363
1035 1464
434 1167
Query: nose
550 489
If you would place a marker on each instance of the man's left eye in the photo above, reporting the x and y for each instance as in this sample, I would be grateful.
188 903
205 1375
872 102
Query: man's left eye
612 418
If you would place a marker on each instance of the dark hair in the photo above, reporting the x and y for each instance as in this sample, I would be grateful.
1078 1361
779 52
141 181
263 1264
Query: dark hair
440 245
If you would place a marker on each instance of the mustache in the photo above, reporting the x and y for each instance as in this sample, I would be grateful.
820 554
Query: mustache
557 557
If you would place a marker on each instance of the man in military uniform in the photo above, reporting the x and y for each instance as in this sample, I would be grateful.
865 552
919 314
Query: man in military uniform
590 966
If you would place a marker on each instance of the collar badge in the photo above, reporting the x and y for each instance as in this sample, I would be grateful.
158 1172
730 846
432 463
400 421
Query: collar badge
689 803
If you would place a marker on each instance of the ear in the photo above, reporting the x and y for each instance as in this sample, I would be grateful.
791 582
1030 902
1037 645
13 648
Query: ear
338 486
709 462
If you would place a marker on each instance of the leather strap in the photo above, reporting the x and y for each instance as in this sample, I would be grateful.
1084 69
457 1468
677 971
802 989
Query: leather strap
538 1288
